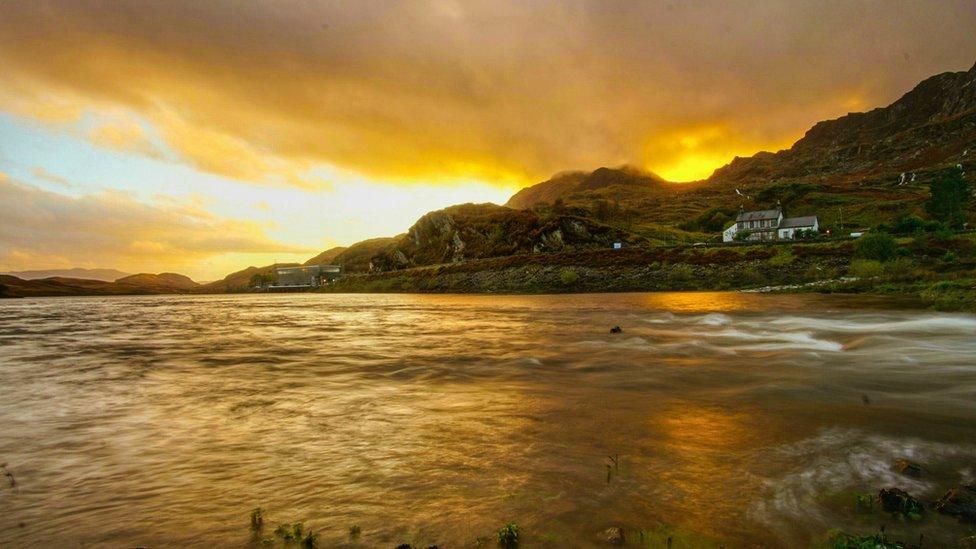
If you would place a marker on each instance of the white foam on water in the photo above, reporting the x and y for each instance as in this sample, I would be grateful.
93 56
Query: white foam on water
715 319
843 459
942 324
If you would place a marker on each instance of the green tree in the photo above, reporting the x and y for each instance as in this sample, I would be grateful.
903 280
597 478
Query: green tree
877 246
949 195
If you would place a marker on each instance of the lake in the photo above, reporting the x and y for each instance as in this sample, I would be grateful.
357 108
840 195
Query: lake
713 418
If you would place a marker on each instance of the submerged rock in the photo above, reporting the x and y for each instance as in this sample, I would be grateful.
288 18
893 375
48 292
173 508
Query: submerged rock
614 536
959 501
616 330
898 501
908 468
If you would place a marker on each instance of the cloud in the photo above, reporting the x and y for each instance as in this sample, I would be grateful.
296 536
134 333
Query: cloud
265 91
45 175
47 229
124 135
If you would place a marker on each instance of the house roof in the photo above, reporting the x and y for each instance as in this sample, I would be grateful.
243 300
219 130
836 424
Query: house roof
761 214
794 222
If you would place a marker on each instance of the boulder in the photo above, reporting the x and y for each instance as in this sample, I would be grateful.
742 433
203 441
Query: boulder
614 536
898 501
908 468
959 501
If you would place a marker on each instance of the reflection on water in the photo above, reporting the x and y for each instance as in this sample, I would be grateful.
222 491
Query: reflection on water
735 418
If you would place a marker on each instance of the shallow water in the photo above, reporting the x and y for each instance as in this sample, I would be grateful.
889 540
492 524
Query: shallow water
737 419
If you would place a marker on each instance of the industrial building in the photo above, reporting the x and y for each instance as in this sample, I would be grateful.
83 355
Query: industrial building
306 276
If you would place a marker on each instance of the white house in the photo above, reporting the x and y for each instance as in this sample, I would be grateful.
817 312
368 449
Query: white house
791 225
769 225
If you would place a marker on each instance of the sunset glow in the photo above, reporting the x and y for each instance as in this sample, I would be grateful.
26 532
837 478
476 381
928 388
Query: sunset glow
296 126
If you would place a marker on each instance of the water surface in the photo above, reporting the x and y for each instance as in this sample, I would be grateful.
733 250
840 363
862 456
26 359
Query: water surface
734 418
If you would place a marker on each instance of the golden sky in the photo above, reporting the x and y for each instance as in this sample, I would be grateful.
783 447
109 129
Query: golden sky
372 112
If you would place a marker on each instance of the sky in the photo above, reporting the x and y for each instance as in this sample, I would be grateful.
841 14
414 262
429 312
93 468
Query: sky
203 136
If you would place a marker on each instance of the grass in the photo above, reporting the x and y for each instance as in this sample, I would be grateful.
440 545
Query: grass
257 519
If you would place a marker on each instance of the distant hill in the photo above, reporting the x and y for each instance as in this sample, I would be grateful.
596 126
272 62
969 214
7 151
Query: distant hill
108 275
164 283
157 283
326 257
477 231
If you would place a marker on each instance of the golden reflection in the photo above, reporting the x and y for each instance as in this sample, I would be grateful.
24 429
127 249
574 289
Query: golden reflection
703 443
696 302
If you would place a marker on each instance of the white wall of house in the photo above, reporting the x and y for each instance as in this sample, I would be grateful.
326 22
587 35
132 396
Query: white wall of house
728 235
788 234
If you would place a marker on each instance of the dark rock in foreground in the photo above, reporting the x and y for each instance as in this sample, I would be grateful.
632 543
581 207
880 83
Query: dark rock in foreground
908 468
959 501
613 536
898 501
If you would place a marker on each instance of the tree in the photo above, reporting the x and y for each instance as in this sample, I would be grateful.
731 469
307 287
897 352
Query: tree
876 246
949 195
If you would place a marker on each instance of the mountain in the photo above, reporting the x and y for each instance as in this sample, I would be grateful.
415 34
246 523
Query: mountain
625 183
326 257
848 171
932 125
478 231
157 283
358 257
108 275
855 171
164 283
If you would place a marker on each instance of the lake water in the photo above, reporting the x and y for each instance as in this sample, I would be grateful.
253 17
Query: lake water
735 419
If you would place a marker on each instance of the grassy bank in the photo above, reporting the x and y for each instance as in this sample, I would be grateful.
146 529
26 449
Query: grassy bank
939 269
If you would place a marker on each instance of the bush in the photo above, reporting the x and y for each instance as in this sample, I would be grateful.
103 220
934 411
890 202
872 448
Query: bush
782 259
568 277
866 268
876 246
949 257
900 267
908 224
680 273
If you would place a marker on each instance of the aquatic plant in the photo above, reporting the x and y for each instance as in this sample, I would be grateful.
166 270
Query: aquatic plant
257 519
863 503
309 540
842 540
508 536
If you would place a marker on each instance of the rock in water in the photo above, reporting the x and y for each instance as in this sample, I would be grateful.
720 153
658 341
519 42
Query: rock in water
614 536
615 330
908 468
897 501
959 501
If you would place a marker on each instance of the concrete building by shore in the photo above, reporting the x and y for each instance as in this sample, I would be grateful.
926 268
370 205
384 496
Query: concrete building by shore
307 276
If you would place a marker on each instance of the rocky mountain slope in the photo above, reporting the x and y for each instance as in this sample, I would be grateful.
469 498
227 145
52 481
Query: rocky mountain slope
478 231
932 125
855 171
326 257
